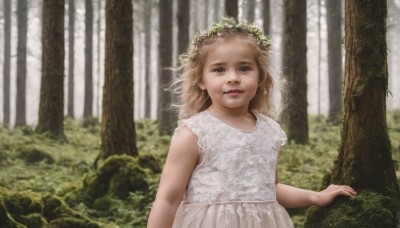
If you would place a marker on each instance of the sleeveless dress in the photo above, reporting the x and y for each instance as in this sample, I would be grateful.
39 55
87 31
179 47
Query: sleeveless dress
233 183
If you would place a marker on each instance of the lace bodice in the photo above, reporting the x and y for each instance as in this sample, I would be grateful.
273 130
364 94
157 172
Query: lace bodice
234 165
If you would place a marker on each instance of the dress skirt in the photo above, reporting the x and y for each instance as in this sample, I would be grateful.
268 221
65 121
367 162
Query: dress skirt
232 215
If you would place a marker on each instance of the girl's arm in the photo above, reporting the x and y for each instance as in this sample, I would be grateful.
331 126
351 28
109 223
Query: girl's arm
182 157
290 197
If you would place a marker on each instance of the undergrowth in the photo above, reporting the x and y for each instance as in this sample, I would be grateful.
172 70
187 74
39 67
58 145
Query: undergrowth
33 164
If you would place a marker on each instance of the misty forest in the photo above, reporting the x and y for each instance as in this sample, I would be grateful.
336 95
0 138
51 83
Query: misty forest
86 118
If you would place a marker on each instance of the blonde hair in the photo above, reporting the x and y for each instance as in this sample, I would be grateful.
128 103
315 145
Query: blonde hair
193 98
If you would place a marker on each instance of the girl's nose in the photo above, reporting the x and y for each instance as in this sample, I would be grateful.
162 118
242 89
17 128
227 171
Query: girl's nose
233 77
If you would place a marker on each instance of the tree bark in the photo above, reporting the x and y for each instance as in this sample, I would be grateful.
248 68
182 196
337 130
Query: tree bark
183 25
88 105
7 61
51 107
295 70
22 12
231 8
216 10
147 43
334 21
118 134
364 160
251 6
266 16
166 118
71 55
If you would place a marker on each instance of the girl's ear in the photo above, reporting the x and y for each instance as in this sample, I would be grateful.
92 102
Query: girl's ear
202 86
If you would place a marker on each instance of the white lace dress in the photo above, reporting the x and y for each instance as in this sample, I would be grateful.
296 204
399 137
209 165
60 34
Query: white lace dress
233 184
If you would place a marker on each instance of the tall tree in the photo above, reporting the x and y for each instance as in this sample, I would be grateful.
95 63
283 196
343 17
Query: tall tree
266 5
364 160
71 60
99 10
217 4
147 43
118 134
334 19
22 14
231 8
295 70
165 118
319 57
183 25
51 107
88 105
7 61
251 6
206 13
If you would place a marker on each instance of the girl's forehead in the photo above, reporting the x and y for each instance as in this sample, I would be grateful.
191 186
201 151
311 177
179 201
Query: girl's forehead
230 49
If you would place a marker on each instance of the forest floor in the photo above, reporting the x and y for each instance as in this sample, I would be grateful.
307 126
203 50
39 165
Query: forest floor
59 167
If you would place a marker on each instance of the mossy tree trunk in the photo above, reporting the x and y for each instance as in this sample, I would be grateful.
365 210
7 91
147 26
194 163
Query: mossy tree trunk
118 134
51 107
364 159
295 70
22 13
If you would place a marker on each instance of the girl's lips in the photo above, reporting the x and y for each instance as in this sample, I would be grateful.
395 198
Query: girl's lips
233 91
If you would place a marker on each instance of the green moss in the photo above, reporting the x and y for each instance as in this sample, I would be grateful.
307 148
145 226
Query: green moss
116 177
61 215
32 155
367 209
34 220
6 220
68 222
23 203
150 161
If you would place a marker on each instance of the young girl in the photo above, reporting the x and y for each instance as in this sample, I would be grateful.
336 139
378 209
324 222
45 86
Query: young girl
221 169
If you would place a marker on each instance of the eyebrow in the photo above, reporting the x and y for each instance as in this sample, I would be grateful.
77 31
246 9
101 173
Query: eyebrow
223 63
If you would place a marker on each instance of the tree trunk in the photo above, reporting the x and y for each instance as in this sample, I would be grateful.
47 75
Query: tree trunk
183 25
21 63
231 8
88 105
364 159
319 57
99 62
51 107
7 61
166 118
147 43
295 70
71 55
216 10
266 16
118 134
251 6
334 21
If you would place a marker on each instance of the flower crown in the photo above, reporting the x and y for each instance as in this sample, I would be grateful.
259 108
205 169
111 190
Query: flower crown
229 25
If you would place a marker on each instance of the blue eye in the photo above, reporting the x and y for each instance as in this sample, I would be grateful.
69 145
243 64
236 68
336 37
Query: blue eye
244 68
219 69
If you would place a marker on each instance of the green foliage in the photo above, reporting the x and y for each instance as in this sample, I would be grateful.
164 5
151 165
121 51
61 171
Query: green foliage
70 193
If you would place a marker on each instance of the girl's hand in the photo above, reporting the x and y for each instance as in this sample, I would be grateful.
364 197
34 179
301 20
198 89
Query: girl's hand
326 196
